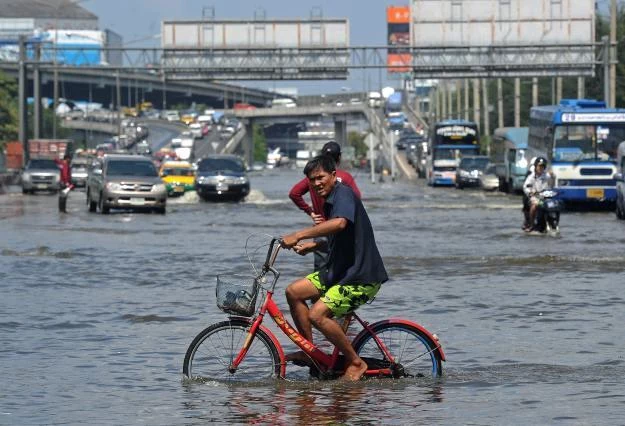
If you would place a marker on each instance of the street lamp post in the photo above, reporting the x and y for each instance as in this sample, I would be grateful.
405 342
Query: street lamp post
60 6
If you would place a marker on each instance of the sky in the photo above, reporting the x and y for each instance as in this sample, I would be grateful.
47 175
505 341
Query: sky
141 20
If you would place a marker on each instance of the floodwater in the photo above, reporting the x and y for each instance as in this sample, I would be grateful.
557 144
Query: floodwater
97 311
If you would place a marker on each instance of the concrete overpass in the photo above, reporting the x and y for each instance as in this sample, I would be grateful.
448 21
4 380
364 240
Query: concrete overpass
101 86
340 114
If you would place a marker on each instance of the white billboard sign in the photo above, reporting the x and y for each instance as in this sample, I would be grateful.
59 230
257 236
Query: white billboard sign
504 37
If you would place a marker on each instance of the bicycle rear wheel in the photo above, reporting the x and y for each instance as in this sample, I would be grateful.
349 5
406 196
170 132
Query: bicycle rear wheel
414 352
211 353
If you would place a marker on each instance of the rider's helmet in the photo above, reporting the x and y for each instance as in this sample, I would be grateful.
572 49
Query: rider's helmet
542 161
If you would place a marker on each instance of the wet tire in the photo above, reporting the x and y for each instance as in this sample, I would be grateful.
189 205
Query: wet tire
92 205
104 209
415 353
211 352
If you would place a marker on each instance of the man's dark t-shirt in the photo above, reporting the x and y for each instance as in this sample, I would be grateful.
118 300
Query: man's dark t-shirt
354 256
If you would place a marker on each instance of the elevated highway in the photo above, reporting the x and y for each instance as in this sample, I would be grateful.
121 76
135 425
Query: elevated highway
100 85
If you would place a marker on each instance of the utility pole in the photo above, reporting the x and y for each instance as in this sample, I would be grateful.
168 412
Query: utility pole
534 91
21 98
517 102
558 89
437 103
581 88
118 98
37 93
466 99
500 103
450 101
476 101
606 69
486 130
613 54
458 99
444 100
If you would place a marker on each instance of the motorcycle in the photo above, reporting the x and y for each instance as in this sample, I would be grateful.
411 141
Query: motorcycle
548 214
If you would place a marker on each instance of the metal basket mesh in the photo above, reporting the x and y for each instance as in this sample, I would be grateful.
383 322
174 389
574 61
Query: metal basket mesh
237 295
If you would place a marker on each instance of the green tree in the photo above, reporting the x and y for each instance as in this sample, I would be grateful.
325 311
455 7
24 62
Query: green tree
357 140
8 109
260 143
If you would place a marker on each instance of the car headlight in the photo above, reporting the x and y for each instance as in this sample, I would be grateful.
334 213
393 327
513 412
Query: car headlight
26 177
113 186
464 173
243 179
159 187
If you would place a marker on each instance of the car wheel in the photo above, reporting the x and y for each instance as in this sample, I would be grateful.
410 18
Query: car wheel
619 208
161 210
104 209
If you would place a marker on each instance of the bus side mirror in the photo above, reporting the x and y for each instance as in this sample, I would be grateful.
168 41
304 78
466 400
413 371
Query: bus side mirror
618 177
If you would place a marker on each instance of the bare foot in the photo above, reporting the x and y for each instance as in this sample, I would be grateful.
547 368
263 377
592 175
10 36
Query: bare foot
354 371
298 358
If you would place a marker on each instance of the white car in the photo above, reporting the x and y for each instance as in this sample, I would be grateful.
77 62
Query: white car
170 115
196 130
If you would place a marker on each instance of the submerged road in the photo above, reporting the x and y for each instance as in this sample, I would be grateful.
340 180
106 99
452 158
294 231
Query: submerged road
97 310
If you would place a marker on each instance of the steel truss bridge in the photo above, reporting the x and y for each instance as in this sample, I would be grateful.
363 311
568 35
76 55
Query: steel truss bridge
332 63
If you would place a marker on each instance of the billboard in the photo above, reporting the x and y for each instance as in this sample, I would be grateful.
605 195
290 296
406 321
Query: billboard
485 38
398 30
287 49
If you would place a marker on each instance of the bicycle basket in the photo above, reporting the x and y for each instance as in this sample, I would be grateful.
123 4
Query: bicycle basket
238 297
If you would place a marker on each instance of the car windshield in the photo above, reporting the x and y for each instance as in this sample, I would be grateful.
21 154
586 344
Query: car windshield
491 170
587 142
474 163
131 168
220 164
177 172
42 165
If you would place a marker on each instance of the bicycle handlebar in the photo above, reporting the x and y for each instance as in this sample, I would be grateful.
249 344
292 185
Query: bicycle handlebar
272 253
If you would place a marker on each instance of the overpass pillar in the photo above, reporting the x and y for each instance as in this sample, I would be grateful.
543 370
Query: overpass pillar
248 143
340 132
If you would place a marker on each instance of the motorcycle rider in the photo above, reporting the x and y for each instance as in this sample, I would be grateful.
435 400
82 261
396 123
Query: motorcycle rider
535 183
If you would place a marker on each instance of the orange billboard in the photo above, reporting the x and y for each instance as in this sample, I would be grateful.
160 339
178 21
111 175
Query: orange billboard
398 23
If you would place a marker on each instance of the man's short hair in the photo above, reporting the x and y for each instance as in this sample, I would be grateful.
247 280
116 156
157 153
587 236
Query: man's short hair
325 162
332 149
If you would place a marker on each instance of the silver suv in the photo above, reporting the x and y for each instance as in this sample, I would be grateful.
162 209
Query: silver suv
41 175
125 182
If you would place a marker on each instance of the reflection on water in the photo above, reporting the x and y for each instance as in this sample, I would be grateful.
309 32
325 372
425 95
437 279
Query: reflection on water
97 311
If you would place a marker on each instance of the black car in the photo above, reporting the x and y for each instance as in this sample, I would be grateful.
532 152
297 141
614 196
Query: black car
470 169
221 177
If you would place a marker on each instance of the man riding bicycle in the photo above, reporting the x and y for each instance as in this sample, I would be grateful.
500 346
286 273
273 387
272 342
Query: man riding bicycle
354 270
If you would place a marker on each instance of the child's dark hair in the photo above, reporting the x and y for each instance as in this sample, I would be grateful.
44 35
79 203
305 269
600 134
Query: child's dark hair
325 162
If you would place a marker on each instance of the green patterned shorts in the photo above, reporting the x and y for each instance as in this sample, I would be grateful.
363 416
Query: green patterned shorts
342 299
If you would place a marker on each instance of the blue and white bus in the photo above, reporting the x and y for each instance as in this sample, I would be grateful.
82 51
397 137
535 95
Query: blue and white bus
580 138
507 152
450 140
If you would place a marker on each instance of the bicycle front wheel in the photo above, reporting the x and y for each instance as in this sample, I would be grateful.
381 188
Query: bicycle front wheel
414 352
212 352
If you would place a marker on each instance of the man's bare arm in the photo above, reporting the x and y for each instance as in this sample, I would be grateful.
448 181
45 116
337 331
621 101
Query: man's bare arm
329 227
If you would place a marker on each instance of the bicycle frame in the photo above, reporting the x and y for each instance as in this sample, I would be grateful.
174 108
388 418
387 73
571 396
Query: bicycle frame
324 361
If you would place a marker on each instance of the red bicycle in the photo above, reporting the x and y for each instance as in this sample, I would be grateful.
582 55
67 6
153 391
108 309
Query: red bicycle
243 349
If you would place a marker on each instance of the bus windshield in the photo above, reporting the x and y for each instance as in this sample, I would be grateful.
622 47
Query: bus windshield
588 142
453 153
